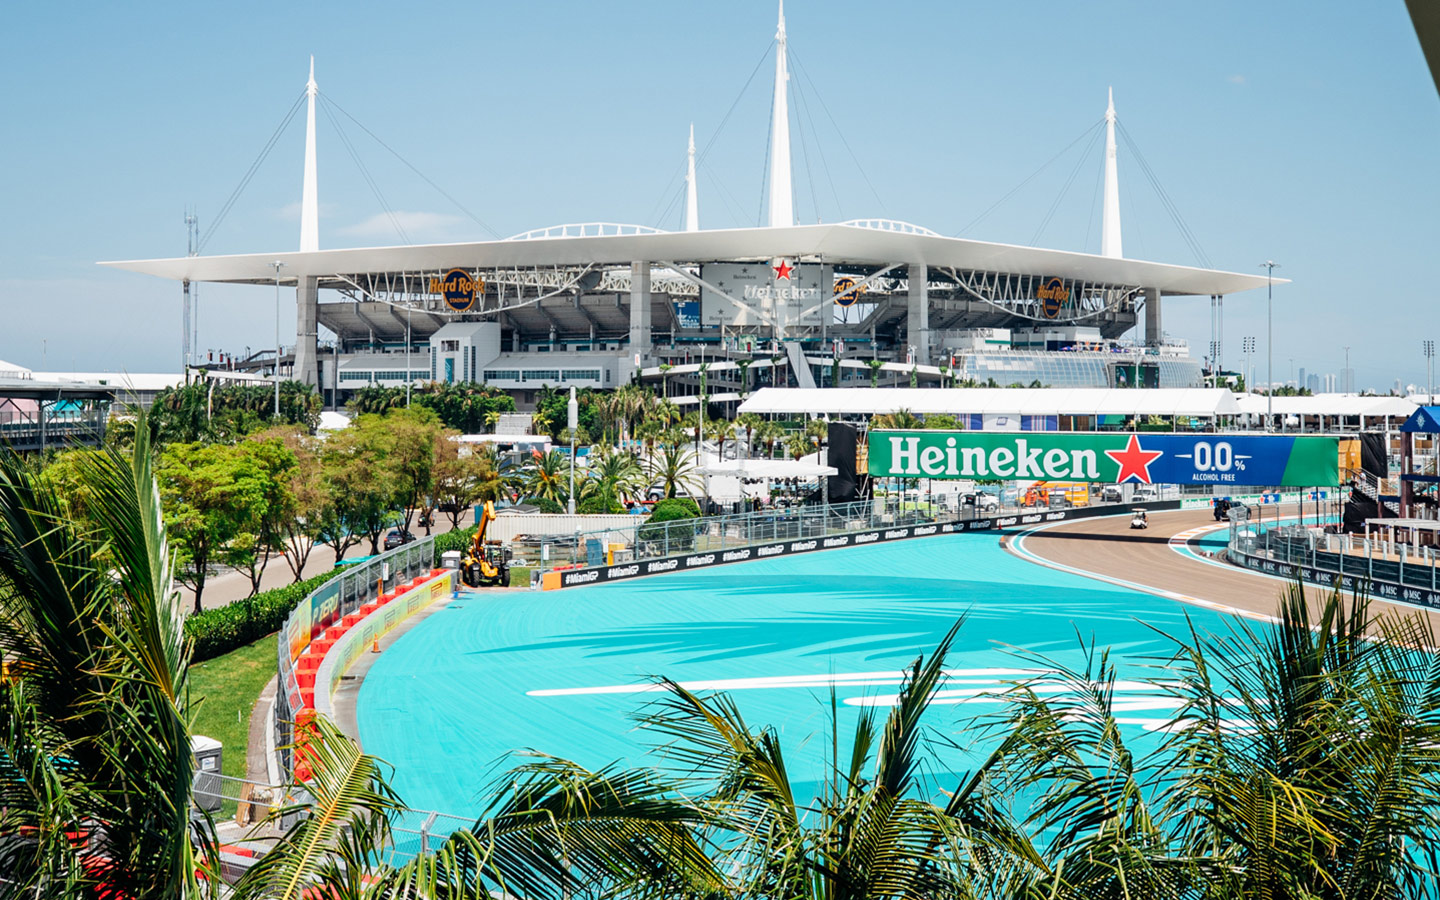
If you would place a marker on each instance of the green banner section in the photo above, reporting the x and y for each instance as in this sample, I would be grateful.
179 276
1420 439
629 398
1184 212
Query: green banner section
1269 460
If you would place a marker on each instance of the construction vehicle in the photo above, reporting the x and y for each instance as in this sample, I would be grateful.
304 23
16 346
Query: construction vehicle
487 563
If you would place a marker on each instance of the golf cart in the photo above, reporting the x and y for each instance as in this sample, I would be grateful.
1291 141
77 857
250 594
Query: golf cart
1138 519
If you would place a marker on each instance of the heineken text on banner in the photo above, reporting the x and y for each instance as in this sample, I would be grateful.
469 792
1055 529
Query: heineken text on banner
1222 459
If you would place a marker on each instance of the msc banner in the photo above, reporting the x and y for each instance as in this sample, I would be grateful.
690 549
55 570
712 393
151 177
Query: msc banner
1112 457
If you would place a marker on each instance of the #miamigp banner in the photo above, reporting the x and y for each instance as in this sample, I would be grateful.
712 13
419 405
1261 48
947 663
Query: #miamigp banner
1111 457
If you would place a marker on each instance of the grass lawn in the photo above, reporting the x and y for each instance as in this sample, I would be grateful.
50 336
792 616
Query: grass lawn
223 690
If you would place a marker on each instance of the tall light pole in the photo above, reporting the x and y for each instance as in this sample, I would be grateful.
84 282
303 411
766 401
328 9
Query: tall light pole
1269 266
1347 378
1429 373
278 266
407 357
572 414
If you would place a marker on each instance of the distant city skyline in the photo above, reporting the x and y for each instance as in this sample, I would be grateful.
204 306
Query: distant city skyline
1264 151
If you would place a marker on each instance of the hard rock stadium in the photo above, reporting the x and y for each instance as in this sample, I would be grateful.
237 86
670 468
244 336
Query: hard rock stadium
864 301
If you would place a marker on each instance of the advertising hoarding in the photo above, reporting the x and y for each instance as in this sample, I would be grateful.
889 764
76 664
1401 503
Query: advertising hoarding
1110 457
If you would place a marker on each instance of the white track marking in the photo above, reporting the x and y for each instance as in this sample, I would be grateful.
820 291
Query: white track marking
1017 546
839 679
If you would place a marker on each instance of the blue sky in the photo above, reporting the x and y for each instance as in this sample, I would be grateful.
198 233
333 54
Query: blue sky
1301 132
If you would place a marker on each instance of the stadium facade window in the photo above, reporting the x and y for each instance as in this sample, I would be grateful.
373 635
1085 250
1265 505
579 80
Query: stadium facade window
580 374
542 375
355 376
502 375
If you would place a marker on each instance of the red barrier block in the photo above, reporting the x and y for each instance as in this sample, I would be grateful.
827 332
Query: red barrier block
321 646
307 696
335 632
305 680
350 620
309 661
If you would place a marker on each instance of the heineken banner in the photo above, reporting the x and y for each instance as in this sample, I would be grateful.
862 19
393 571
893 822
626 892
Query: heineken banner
1223 459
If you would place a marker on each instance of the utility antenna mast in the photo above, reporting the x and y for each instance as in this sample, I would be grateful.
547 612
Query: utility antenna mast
190 336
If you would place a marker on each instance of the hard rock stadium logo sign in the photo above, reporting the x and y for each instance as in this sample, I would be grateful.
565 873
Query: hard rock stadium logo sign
458 288
1053 295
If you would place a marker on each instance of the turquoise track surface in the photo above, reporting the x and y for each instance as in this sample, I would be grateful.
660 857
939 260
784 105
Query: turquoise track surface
450 701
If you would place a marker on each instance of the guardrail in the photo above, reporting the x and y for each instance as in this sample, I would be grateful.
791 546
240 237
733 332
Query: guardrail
1384 569
640 540
342 595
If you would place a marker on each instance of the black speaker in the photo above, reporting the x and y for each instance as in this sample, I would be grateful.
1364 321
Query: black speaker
842 458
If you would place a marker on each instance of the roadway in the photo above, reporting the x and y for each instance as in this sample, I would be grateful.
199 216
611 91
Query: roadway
1108 549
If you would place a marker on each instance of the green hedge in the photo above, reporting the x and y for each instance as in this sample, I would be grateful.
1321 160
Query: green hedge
459 539
222 629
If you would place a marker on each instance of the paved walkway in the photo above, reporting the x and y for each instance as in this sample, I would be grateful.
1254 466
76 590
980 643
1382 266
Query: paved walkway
1106 548
229 585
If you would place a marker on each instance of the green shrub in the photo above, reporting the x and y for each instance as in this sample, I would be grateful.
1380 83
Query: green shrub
675 509
597 504
547 505
459 539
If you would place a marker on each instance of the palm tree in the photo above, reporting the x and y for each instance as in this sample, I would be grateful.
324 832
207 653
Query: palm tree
617 475
548 475
93 715
750 422
674 469
902 419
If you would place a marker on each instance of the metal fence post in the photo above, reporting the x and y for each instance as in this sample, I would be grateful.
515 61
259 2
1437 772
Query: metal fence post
425 827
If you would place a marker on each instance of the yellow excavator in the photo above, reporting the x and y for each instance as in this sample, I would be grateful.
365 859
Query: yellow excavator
487 563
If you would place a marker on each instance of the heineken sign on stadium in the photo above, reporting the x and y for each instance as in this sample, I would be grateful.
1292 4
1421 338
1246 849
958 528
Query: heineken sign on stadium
1224 459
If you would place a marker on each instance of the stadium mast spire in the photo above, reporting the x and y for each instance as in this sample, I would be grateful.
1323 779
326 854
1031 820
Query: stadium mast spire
782 208
309 193
692 197
1110 222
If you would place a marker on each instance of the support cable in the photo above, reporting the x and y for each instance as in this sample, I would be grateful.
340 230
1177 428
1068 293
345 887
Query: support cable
1089 132
805 152
365 174
1170 206
1050 214
846 143
714 135
423 177
250 172
1094 199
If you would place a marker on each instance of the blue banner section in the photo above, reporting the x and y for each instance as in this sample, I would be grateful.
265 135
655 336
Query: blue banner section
1238 459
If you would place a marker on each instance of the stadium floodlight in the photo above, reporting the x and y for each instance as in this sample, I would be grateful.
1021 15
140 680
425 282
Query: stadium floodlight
278 266
1269 266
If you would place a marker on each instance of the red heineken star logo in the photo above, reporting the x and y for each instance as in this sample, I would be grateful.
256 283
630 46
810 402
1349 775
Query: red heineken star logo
1134 462
783 270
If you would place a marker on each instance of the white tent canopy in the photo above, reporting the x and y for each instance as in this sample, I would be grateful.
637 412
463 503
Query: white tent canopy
769 468
1328 405
1201 402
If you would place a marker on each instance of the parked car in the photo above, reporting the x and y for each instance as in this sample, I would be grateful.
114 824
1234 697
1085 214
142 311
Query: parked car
1145 493
1111 493
397 537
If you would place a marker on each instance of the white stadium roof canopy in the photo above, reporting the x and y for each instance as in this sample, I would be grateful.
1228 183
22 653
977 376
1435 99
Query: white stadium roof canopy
837 243
1203 402
1328 405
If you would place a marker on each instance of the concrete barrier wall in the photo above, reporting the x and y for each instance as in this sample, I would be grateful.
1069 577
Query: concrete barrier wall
1024 520
364 633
